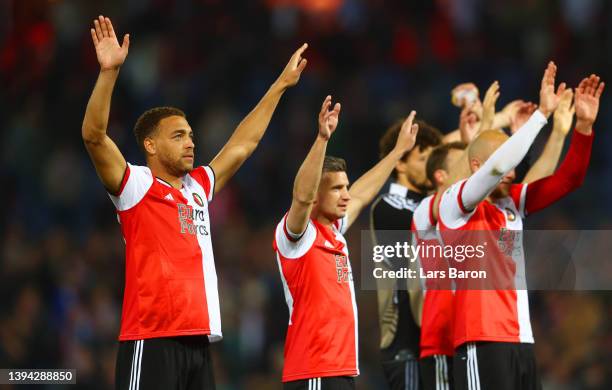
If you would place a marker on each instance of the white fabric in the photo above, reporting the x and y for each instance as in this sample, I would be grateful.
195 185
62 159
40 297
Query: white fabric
211 178
201 218
502 161
294 249
138 183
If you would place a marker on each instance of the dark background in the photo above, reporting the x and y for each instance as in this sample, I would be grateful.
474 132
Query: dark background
61 261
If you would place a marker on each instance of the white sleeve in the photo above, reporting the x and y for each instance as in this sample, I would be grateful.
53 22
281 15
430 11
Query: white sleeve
451 212
291 245
502 161
135 184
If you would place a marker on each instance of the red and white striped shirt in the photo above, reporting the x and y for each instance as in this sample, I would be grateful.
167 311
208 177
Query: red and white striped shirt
437 311
170 277
318 282
484 313
503 314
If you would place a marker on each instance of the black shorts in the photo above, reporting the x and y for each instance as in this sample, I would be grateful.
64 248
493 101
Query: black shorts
493 365
436 372
325 383
402 374
165 363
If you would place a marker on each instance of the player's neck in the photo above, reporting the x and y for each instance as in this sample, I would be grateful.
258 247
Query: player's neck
174 181
322 219
403 181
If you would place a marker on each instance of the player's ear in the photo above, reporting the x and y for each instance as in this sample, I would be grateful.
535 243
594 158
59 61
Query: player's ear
149 146
440 176
474 164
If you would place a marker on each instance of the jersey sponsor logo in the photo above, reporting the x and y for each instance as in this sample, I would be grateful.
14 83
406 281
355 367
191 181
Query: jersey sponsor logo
169 197
342 269
198 199
192 221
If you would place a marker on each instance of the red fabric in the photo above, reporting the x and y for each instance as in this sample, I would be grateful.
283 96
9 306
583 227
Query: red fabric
168 263
164 284
437 313
570 175
200 175
322 333
126 176
480 312
460 200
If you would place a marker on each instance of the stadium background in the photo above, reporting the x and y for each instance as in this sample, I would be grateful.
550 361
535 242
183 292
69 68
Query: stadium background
61 266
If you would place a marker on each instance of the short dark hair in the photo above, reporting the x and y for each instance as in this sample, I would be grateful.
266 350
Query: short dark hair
334 164
428 136
148 121
437 158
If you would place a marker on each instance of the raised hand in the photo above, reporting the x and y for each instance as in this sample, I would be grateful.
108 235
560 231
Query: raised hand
407 134
488 106
464 95
549 99
564 114
468 124
291 74
523 112
328 120
586 102
110 55
508 112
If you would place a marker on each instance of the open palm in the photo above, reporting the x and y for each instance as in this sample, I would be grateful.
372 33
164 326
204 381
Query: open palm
110 54
587 99
549 99
328 119
407 134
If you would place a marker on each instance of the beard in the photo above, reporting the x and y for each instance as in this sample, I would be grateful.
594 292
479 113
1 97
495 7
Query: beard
177 167
423 186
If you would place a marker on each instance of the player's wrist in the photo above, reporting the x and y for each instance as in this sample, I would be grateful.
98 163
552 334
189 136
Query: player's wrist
280 85
397 153
545 111
584 126
560 130
322 137
112 71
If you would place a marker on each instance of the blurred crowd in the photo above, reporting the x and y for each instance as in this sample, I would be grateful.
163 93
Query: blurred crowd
61 260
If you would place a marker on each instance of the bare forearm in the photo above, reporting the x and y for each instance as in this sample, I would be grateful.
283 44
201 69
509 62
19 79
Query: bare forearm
547 162
305 187
98 107
309 175
501 120
368 185
253 127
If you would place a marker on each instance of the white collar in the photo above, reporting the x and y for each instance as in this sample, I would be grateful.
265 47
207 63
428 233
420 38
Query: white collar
398 189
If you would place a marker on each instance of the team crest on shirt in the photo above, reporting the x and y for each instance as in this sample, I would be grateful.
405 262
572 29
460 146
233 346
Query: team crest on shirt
342 269
510 214
198 199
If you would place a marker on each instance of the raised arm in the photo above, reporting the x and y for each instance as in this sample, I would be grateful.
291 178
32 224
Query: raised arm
572 171
470 128
546 164
367 186
107 159
488 110
308 177
249 132
511 152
